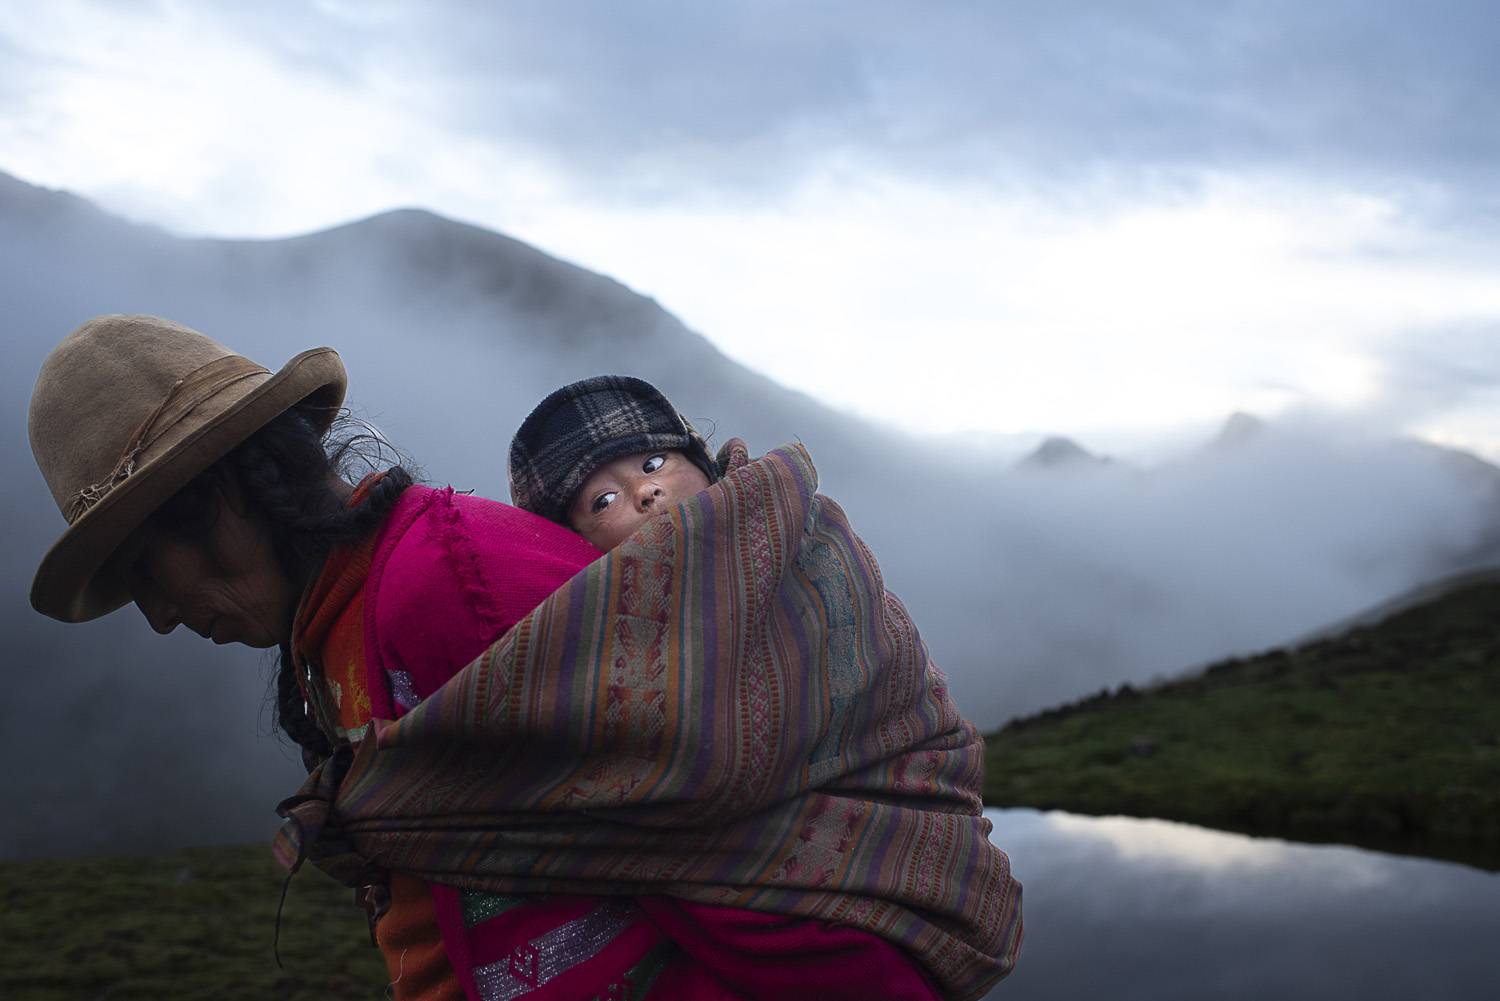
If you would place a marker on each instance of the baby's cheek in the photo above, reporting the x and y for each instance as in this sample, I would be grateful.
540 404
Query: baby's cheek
600 537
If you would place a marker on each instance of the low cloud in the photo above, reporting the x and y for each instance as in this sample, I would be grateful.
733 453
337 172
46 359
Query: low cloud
675 95
656 98
1096 576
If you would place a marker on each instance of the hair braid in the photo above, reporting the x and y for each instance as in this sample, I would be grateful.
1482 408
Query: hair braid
286 472
292 714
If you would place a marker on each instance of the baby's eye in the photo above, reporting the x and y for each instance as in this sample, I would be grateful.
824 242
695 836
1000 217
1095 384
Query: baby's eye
654 463
603 501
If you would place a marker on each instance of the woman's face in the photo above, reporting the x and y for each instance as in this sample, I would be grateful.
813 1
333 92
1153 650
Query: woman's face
224 584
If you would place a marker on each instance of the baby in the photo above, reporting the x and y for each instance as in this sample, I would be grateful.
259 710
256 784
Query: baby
605 454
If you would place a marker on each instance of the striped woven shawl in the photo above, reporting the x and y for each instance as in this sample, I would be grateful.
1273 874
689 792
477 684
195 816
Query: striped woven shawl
729 708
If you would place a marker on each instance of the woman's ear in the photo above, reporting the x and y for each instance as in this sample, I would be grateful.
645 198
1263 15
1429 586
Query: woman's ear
227 485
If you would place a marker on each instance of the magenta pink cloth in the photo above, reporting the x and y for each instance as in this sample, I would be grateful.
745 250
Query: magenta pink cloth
677 976
726 954
772 957
449 575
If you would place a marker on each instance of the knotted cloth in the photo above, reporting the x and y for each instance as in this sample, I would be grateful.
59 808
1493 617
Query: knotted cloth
728 708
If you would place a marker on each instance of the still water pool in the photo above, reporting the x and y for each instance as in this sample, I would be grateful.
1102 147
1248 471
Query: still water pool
1118 908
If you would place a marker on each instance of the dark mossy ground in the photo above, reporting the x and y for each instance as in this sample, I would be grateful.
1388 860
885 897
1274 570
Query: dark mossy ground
1384 737
195 925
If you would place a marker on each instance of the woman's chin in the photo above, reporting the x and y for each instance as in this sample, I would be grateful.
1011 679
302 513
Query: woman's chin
224 633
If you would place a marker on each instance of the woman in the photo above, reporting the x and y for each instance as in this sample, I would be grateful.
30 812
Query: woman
196 484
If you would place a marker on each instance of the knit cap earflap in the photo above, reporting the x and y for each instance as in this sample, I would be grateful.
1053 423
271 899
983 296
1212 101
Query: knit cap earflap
583 425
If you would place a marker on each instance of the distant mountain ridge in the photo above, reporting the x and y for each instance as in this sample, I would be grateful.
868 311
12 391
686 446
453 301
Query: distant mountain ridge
1029 588
1060 453
1426 593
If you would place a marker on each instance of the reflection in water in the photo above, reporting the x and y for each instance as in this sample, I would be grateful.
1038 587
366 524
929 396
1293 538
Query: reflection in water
1118 908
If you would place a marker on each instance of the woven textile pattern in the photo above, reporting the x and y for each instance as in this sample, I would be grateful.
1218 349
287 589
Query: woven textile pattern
729 708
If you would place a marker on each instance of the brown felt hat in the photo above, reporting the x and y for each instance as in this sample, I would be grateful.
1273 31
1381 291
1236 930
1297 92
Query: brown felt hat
127 410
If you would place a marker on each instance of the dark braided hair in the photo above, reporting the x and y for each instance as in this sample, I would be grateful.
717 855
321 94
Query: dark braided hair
286 472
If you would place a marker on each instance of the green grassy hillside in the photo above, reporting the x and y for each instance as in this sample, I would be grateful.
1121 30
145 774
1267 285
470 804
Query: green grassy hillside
1384 737
195 926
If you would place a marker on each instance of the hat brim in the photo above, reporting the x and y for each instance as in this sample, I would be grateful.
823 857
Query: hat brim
69 584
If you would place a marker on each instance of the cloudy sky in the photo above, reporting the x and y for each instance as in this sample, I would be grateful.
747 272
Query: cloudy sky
1116 220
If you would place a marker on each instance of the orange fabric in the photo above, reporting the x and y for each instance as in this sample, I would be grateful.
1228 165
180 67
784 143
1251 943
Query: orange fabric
330 629
408 935
334 635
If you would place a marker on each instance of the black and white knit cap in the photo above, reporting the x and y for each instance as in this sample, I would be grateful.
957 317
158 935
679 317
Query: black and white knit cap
580 427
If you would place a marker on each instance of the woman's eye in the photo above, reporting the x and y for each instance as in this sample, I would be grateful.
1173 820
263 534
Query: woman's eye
654 463
130 558
603 501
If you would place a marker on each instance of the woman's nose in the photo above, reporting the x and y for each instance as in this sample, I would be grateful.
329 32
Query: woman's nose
161 613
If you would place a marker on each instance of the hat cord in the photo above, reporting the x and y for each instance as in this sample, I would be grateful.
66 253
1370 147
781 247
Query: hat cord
185 396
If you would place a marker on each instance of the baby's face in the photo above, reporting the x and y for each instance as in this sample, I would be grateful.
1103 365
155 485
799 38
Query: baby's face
620 495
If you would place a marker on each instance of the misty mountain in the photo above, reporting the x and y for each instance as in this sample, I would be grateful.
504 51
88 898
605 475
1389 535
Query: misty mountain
1241 427
1059 453
1031 587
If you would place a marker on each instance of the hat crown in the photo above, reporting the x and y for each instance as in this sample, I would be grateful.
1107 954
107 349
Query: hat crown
584 424
99 389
